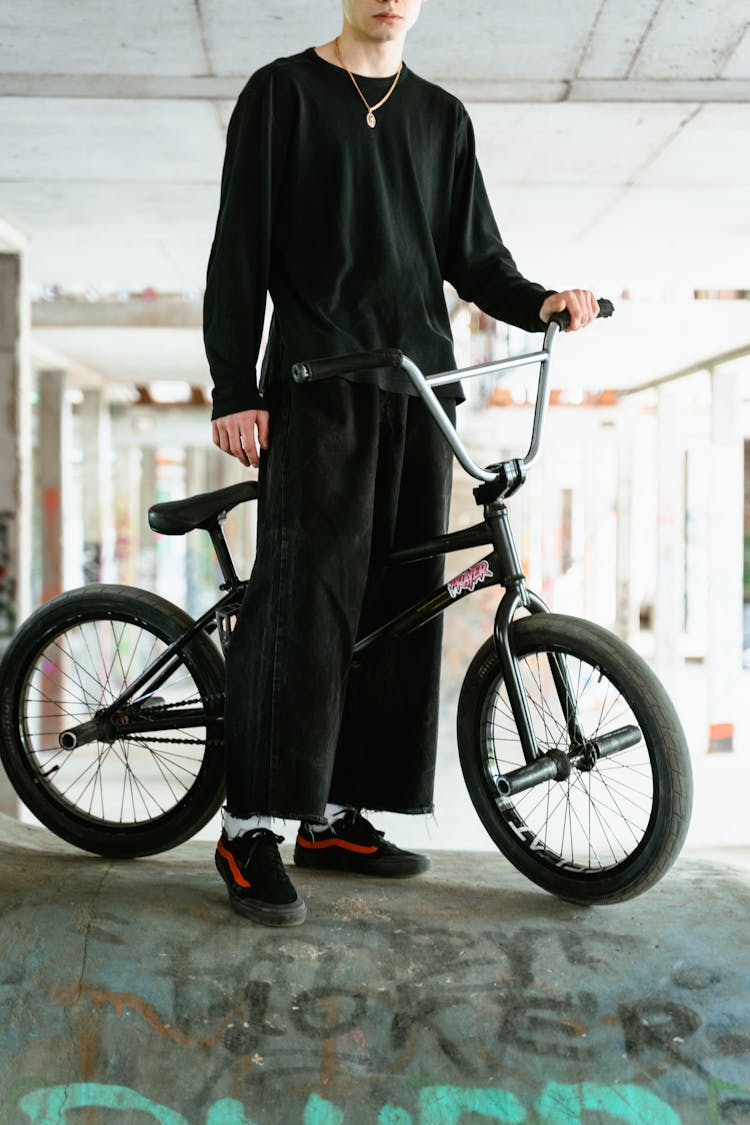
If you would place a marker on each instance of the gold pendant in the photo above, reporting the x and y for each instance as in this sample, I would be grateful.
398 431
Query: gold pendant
370 119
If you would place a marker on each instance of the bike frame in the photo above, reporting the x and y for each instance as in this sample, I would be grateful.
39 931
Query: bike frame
501 566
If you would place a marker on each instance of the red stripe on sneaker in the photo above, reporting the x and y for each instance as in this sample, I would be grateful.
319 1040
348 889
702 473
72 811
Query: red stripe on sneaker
335 842
237 875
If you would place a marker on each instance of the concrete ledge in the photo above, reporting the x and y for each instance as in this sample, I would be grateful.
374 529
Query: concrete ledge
132 991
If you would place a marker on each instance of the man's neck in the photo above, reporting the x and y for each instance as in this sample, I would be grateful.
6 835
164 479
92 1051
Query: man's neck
367 57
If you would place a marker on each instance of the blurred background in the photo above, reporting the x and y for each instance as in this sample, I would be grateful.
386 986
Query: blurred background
614 143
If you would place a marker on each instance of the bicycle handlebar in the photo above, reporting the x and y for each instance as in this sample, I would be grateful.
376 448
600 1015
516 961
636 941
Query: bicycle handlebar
606 308
310 371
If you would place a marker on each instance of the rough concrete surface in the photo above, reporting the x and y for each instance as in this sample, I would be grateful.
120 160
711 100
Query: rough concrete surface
131 993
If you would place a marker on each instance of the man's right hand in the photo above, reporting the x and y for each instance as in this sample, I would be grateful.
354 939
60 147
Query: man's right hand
235 434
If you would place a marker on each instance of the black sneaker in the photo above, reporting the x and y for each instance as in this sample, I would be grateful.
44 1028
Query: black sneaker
352 844
258 885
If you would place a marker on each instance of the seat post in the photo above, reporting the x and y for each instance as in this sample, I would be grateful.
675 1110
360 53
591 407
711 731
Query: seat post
216 531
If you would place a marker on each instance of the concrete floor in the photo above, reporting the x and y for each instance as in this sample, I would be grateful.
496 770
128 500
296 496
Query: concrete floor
131 993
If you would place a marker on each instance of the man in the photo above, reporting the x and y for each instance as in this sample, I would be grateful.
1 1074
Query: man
350 191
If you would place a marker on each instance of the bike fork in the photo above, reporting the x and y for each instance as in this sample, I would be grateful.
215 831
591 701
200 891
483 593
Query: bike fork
539 767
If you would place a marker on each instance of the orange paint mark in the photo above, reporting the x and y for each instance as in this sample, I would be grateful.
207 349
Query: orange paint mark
122 1000
328 1046
717 731
51 521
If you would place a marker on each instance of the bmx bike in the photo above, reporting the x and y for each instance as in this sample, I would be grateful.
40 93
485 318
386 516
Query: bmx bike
112 697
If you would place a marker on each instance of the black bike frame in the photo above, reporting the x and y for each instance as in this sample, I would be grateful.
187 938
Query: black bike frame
500 567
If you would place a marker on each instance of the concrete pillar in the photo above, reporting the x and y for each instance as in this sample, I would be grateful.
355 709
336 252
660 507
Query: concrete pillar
53 453
232 472
215 469
96 481
199 552
15 441
532 499
726 487
669 536
15 467
593 512
146 571
626 605
127 515
240 528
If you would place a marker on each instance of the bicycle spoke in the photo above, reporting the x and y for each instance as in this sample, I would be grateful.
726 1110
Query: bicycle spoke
83 669
44 675
593 820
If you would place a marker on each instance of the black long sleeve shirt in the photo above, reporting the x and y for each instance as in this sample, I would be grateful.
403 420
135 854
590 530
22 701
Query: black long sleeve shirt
351 230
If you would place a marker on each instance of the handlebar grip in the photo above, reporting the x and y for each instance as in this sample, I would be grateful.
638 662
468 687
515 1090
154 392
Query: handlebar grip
310 370
606 308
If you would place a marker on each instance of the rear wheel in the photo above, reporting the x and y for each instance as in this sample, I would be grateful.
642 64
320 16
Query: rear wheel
605 833
119 793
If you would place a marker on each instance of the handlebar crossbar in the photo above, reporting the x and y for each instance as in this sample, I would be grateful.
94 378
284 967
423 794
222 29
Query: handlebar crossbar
310 371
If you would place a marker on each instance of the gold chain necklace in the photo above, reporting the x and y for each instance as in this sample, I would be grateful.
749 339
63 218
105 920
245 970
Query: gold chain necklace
370 118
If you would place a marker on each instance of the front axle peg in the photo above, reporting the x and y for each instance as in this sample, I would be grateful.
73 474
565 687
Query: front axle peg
556 765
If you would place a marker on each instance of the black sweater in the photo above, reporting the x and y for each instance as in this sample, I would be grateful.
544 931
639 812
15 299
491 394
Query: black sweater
351 230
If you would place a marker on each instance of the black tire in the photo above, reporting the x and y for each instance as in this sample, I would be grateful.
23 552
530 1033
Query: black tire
130 796
603 835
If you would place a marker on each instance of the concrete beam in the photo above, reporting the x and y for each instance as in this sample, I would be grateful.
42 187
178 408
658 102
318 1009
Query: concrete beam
80 376
161 312
692 369
141 87
11 238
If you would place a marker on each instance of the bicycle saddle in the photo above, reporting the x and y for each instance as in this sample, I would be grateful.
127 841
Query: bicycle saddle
176 517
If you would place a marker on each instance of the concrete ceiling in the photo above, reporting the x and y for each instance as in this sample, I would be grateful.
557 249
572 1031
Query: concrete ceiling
613 137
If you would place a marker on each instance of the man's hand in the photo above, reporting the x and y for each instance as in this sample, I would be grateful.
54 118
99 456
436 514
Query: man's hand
580 303
235 434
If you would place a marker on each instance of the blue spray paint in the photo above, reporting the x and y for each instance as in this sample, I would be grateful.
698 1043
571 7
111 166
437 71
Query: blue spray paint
444 1105
563 1104
50 1106
558 1104
228 1111
394 1115
320 1112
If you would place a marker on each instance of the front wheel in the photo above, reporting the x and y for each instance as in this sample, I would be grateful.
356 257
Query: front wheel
120 793
610 830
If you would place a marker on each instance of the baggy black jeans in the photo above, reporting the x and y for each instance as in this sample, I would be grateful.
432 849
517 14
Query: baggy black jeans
352 473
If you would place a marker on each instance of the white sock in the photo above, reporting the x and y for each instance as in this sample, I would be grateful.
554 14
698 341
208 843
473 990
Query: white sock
235 826
332 814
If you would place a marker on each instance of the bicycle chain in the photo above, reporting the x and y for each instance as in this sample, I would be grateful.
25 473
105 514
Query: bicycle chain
214 698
